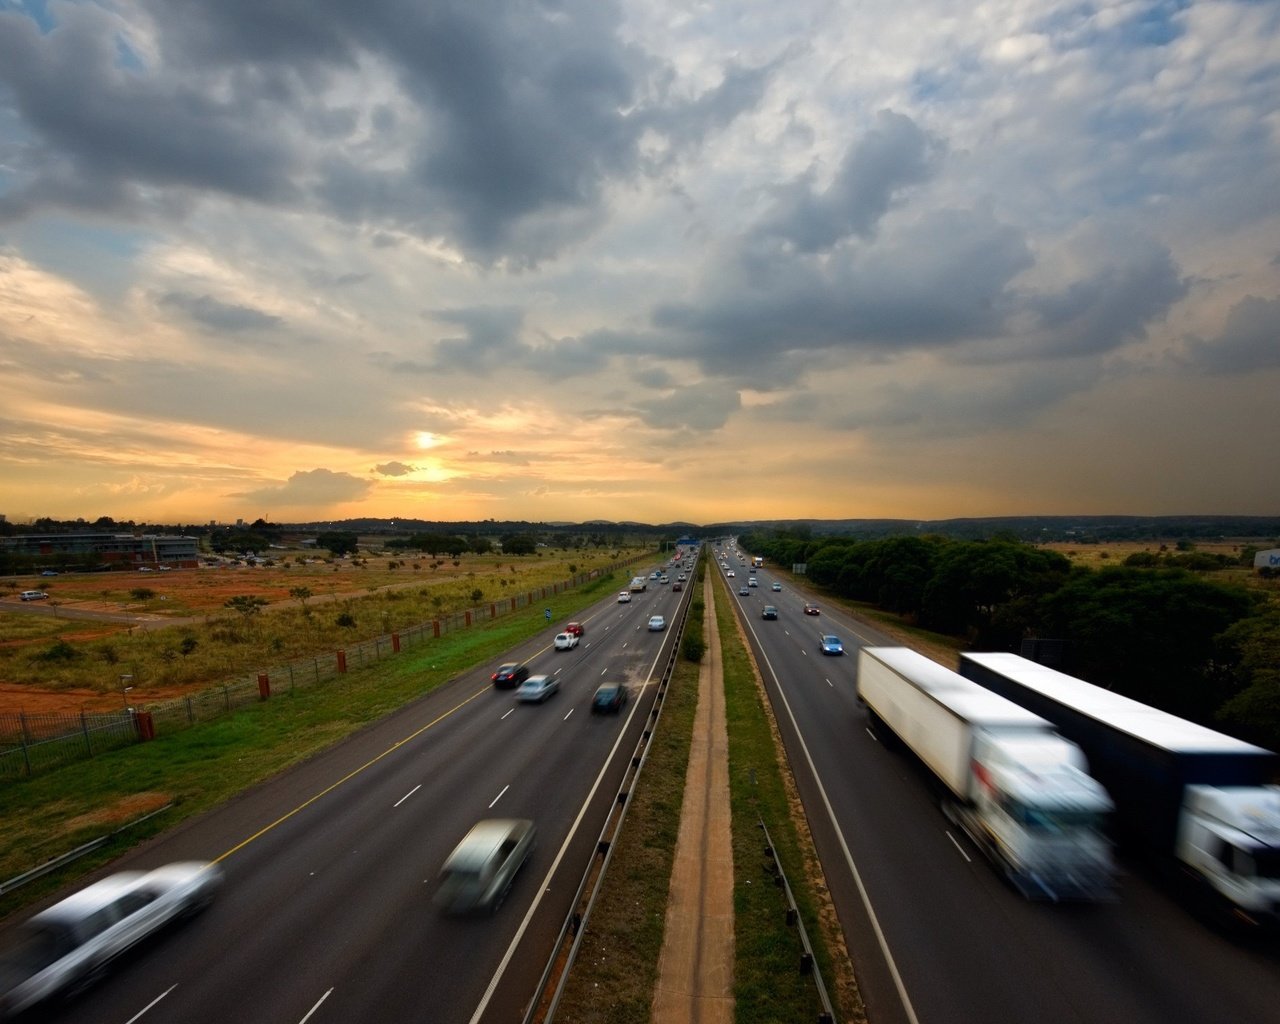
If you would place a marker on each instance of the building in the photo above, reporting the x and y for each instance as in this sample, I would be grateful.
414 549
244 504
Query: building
114 549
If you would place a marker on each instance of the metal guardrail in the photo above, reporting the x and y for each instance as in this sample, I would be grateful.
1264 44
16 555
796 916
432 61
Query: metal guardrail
575 924
808 965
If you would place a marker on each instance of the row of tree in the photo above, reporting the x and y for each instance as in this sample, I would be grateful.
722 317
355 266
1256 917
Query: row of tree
1206 650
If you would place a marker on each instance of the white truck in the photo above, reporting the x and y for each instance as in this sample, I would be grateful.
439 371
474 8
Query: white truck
1020 791
639 584
1185 794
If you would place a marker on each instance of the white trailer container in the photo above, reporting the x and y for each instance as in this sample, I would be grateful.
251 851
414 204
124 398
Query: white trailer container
1020 791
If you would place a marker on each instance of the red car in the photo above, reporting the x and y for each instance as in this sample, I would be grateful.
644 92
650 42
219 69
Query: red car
811 609
575 628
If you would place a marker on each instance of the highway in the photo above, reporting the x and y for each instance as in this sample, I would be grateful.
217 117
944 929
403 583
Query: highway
326 911
935 933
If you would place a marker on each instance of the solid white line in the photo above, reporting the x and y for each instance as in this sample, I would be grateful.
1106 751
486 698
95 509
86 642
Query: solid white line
898 983
504 717
499 796
956 844
138 1015
546 881
316 1007
407 795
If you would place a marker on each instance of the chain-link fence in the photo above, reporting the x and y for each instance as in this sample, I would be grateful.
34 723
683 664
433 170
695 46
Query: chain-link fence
33 743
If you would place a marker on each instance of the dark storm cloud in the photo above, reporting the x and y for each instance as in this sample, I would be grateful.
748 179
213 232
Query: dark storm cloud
1134 285
943 279
220 316
1249 342
514 115
893 155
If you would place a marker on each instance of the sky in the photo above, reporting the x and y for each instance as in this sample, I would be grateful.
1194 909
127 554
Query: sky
638 260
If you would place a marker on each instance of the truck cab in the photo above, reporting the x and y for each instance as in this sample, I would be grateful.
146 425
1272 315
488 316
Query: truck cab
1229 838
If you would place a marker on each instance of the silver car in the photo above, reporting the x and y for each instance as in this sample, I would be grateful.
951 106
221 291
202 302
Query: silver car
71 944
478 873
536 689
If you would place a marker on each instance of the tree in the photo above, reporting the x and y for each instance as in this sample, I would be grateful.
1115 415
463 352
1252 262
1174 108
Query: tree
339 542
248 606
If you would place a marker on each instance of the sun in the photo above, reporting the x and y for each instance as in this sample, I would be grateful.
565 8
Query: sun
424 439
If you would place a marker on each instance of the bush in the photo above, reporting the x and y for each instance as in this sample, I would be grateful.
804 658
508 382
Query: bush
692 646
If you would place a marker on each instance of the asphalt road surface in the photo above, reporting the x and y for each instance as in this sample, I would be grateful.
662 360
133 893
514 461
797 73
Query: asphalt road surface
326 912
938 936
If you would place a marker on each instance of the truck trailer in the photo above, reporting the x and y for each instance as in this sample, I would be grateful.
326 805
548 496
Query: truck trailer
1020 791
1185 794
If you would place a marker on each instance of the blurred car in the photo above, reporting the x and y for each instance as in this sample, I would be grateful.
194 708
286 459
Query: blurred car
664 579
811 609
743 591
677 585
536 689
608 697
751 582
831 644
478 874
656 623
730 574
575 628
769 612
566 641
33 595
624 597
776 587
510 675
49 572
73 942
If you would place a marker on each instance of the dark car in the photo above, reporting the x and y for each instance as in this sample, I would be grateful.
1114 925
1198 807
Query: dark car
510 675
769 612
609 697
677 585
811 609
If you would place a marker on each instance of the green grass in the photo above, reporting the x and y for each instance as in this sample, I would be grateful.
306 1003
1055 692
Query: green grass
768 985
202 766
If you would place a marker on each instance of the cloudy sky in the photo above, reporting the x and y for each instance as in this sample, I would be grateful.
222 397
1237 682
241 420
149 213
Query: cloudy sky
638 259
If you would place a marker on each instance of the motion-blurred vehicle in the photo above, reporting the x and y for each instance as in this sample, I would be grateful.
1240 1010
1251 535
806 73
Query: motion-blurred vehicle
752 582
33 595
769 612
478 874
70 945
657 623
776 587
510 675
743 592
536 689
811 609
609 697
575 628
624 597
677 586
831 644
565 641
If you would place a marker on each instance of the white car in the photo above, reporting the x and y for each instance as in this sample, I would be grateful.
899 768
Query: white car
566 641
656 623
33 595
536 689
730 574
74 941
624 597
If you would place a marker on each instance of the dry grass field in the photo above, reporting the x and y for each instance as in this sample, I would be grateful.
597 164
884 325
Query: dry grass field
172 633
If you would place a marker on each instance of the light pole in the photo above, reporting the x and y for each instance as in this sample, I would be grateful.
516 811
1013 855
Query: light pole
124 690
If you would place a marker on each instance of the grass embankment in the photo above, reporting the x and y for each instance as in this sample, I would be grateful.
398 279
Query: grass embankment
200 767
616 971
